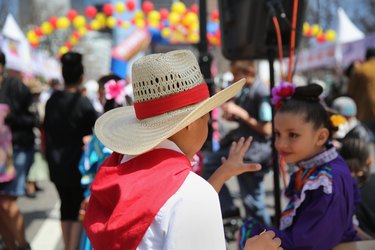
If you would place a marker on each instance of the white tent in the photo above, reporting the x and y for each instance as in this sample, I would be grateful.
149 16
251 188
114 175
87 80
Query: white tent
347 31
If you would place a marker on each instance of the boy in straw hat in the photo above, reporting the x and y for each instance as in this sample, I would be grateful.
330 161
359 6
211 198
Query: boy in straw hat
144 195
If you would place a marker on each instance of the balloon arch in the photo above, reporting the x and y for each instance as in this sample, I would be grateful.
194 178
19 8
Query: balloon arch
179 24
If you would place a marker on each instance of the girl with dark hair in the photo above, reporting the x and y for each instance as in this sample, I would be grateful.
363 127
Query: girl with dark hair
322 192
69 117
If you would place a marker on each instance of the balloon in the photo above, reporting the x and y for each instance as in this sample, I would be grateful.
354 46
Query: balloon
63 23
189 18
321 38
111 22
82 31
46 28
119 22
120 7
108 9
215 15
130 5
53 21
73 40
154 24
90 11
147 6
34 45
32 37
101 18
95 25
38 31
77 34
154 15
79 21
68 44
139 15
174 18
315 29
305 28
63 50
165 32
193 38
212 27
330 35
178 7
194 8
71 14
140 23
164 13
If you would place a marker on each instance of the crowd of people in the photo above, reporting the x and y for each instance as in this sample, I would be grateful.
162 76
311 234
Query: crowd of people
109 157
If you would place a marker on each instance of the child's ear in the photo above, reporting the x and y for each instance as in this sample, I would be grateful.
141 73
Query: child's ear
323 135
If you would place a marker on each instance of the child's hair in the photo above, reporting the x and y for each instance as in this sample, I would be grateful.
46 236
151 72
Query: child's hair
356 153
305 102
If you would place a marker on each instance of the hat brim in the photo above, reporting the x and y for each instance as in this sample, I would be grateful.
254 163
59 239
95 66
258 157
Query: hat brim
122 132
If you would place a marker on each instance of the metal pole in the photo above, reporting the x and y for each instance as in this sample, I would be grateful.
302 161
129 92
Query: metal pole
275 167
204 60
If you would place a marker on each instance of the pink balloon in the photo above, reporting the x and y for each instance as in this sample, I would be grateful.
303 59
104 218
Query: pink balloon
163 13
194 8
53 21
130 5
38 31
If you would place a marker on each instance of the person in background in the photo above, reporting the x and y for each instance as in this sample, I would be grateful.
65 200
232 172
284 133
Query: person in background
356 153
252 110
361 88
353 128
15 94
69 117
322 192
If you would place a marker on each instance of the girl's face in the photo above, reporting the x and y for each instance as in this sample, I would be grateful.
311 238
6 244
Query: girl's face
297 140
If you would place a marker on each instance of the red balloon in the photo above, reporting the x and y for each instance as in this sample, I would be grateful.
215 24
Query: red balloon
164 13
38 31
76 34
147 6
53 21
108 9
68 44
215 15
321 38
90 11
71 14
130 5
34 45
194 8
119 22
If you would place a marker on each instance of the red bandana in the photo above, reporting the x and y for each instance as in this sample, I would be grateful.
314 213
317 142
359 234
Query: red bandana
126 197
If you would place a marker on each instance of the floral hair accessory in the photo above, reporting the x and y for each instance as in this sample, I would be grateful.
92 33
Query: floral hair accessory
337 120
115 90
281 92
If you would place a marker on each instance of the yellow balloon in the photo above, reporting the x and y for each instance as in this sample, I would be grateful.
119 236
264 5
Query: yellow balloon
120 7
165 32
82 31
306 27
178 7
101 18
46 28
154 23
139 15
193 38
154 15
63 22
174 18
125 24
95 25
63 50
330 35
140 23
32 37
194 26
316 29
79 21
189 18
111 22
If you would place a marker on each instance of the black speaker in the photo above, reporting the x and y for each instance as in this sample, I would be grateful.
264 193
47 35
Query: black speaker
247 29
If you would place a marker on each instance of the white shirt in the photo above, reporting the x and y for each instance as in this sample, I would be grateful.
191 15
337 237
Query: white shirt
189 220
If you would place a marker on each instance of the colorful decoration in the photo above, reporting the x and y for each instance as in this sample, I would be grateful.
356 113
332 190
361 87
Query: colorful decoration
316 31
179 24
280 92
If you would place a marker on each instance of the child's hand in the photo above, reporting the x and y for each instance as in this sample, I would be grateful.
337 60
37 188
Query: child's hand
234 165
264 241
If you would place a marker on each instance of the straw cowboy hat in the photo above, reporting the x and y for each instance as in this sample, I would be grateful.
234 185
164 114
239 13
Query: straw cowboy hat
169 94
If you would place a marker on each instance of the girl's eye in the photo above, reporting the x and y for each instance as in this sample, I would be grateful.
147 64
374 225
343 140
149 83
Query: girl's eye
293 135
